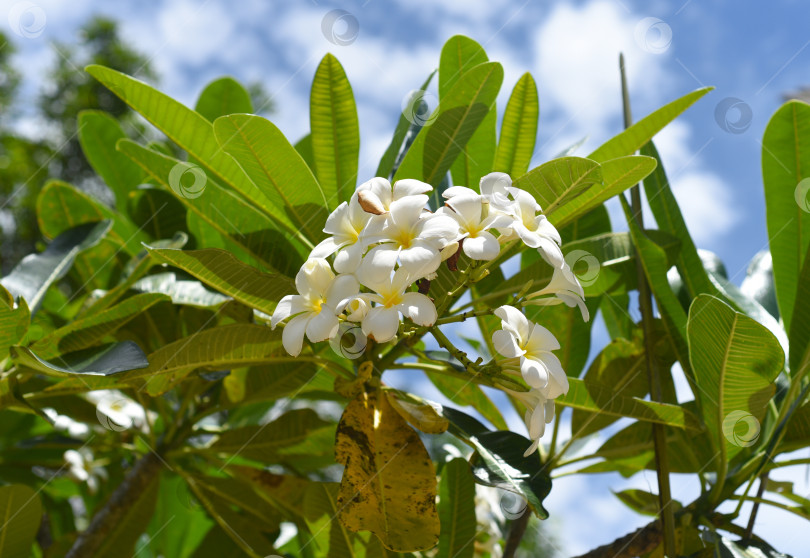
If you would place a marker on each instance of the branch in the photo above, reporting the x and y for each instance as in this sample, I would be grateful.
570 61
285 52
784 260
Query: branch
135 483
516 532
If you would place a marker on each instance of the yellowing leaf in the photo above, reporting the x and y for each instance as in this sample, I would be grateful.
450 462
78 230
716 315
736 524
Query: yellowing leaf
389 484
420 415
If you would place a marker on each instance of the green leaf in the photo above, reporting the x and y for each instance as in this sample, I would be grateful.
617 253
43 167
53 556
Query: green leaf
19 523
499 460
405 123
82 333
14 322
157 213
452 124
304 149
785 166
331 538
335 131
735 362
236 219
598 398
457 511
107 360
188 129
31 278
459 55
558 181
630 140
297 432
640 501
797 431
800 326
98 133
668 216
223 96
277 169
466 394
222 271
191 293
519 129
121 538
617 174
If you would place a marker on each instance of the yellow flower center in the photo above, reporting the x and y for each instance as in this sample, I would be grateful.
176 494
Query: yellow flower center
391 298
404 238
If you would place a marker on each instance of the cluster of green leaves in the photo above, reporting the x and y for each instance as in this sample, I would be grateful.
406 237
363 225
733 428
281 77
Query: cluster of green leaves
172 287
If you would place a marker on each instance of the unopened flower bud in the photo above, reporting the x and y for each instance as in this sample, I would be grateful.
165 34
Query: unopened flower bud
370 203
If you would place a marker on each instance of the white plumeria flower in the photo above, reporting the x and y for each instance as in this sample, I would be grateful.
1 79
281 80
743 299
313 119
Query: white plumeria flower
410 235
345 224
81 469
536 231
494 189
472 213
392 298
379 192
528 347
116 411
314 310
66 424
565 286
539 412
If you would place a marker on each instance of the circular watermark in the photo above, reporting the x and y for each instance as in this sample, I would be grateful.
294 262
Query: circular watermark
340 27
181 187
800 194
114 415
416 107
350 341
653 35
27 19
584 266
733 115
741 428
513 505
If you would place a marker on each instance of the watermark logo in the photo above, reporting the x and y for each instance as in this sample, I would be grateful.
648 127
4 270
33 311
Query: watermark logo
584 266
183 173
741 428
340 27
350 341
733 115
27 19
416 107
800 194
653 35
513 505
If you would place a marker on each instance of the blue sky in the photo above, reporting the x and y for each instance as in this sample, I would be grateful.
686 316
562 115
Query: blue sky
751 52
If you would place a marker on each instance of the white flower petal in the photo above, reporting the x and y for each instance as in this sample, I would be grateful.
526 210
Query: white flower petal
515 319
420 260
468 209
506 344
482 247
534 372
286 307
381 323
293 335
342 289
441 227
550 251
418 308
349 258
335 221
314 277
540 339
454 191
377 265
326 247
322 326
410 187
405 212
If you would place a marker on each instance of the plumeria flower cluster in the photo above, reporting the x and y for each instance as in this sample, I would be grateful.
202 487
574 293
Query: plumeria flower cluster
384 243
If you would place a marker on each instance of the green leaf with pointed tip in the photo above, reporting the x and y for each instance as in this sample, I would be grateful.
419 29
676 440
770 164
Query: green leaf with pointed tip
62 206
457 511
185 127
555 183
452 124
735 362
276 168
223 96
113 358
220 270
459 55
88 331
31 278
98 133
786 177
519 129
598 398
19 522
234 218
14 322
641 501
617 175
668 216
630 140
404 124
335 131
